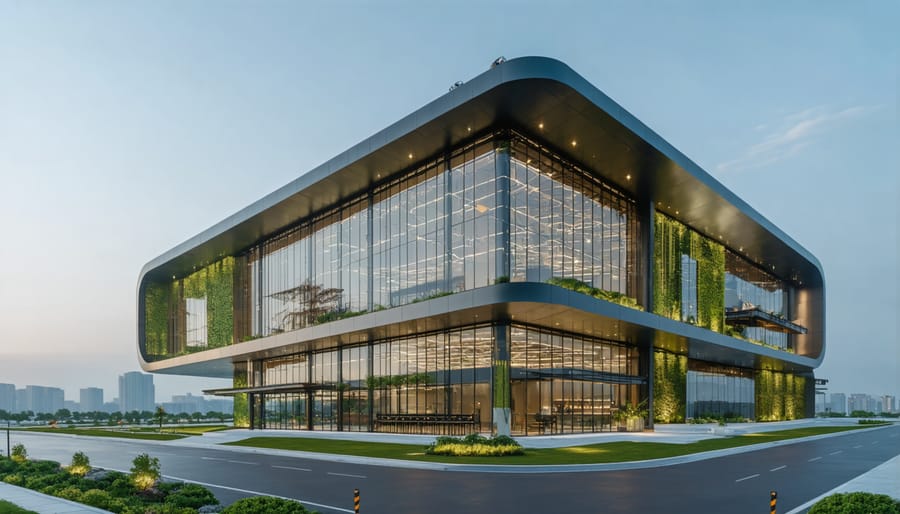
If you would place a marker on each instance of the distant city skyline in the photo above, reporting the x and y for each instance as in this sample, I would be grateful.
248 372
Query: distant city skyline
129 127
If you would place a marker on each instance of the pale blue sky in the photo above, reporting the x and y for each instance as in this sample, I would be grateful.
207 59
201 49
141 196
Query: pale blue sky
127 127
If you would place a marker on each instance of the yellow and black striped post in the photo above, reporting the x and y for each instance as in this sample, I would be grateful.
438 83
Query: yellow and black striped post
356 501
773 499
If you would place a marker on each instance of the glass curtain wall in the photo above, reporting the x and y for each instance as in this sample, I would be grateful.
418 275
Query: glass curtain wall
719 392
565 383
433 232
748 287
566 224
429 374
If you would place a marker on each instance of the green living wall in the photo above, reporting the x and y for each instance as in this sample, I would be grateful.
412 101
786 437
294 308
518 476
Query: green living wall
216 283
710 257
164 309
779 396
669 387
672 240
157 301
241 402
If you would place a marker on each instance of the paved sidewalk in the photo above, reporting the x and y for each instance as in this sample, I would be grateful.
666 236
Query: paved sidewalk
42 503
884 479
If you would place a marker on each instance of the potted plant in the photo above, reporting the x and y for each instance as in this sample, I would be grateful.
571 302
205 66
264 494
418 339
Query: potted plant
631 416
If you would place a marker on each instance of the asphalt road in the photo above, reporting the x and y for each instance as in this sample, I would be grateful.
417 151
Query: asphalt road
735 484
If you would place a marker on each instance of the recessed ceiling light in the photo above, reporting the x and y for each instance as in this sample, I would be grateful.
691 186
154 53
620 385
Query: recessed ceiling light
574 143
541 125
410 156
628 177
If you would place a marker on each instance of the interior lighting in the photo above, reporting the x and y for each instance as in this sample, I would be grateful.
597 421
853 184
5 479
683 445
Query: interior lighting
410 156
541 125
468 129
481 208
574 143
628 177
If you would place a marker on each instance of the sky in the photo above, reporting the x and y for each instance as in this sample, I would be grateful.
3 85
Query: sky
128 127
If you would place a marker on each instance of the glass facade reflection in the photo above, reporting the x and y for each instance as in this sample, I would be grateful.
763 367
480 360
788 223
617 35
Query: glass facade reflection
719 392
564 223
565 383
749 288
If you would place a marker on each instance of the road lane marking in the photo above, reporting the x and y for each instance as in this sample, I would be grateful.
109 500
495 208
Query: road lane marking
874 442
244 462
293 468
837 452
814 459
858 446
746 478
345 475
213 458
778 468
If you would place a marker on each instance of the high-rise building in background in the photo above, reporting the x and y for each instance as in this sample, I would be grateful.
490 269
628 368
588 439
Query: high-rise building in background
90 399
8 397
857 402
136 392
40 399
838 403
888 403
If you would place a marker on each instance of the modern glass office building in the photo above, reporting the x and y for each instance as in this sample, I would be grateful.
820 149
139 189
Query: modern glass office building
519 256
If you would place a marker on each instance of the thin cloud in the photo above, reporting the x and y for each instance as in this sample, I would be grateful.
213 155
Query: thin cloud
794 133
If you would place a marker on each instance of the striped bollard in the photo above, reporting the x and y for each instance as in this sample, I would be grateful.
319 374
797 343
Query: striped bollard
773 499
356 501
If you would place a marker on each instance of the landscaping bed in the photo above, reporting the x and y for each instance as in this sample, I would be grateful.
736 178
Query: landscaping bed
140 492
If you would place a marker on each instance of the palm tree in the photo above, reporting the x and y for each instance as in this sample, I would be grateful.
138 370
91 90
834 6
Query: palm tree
160 414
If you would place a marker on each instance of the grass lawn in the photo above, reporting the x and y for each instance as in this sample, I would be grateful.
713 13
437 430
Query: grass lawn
588 454
148 433
11 508
112 432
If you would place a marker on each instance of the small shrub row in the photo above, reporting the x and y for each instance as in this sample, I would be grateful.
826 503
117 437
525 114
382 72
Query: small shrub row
601 294
475 445
869 503
871 422
109 490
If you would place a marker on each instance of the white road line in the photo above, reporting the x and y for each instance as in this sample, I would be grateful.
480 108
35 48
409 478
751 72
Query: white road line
814 459
746 478
874 442
778 468
858 446
289 467
244 462
345 475
248 491
213 458
837 452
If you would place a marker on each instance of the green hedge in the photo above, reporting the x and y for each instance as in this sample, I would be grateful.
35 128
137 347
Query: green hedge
113 491
851 503
266 505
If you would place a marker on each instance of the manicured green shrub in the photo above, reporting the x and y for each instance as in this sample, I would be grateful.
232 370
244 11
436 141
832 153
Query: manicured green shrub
19 453
96 498
80 465
475 445
70 493
14 479
851 503
144 471
266 505
191 495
